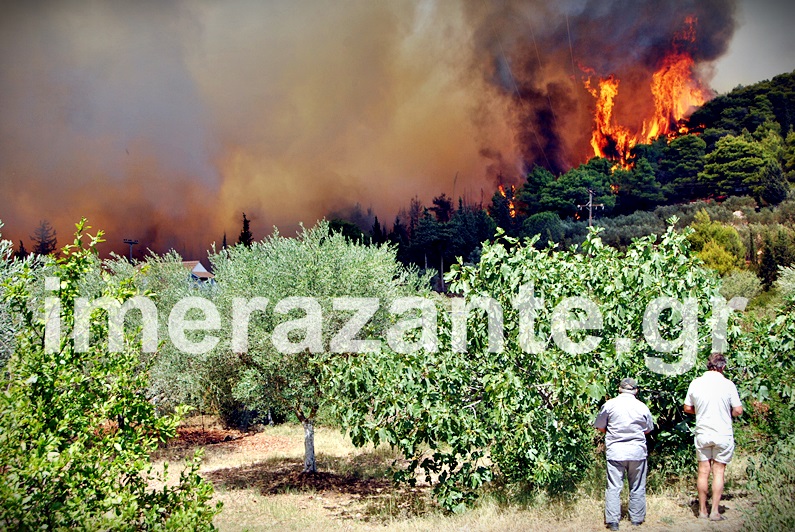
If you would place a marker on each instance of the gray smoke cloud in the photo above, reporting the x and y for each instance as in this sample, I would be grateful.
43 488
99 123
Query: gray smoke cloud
163 121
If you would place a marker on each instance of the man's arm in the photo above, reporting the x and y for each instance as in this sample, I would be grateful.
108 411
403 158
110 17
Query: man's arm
689 408
600 429
649 422
737 405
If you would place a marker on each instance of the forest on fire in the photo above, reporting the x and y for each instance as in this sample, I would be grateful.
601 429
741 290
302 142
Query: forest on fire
736 159
728 179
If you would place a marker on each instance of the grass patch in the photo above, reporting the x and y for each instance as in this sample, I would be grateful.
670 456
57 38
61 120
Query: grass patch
258 478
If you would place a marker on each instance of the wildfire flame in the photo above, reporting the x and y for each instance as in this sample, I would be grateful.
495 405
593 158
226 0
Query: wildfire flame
675 93
608 140
504 194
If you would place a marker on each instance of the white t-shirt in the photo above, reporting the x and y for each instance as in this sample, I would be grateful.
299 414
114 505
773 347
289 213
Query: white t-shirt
713 396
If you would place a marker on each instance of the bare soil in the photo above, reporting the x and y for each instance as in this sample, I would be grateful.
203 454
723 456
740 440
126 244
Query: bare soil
258 477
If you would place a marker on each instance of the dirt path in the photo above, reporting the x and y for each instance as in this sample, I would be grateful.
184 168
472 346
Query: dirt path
258 478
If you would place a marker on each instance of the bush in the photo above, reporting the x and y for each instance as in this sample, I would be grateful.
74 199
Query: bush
741 283
76 430
772 475
9 324
786 283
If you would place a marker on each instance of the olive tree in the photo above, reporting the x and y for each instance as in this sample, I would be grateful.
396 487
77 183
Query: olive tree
270 296
8 268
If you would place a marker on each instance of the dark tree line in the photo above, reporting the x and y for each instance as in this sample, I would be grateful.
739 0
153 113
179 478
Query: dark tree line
741 145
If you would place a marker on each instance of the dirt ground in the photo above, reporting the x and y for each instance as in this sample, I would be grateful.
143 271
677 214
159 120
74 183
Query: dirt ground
258 478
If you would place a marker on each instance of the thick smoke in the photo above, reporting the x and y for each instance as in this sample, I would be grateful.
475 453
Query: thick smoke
539 56
164 121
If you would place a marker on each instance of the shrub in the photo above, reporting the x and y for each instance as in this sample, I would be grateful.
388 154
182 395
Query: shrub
772 475
76 430
741 283
786 283
530 410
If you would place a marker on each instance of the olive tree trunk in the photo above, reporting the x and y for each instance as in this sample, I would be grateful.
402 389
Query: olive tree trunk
309 447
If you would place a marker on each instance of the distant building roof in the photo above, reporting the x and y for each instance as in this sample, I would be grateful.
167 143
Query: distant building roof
197 269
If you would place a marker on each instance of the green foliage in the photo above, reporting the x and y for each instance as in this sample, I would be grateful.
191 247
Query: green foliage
203 381
638 188
682 161
786 283
741 165
788 156
315 264
717 258
469 227
528 198
571 189
720 243
76 430
529 413
501 210
749 107
348 229
778 251
431 245
9 322
620 231
766 356
741 283
546 225
772 476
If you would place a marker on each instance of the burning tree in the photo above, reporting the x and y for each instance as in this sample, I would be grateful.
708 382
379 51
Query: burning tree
676 93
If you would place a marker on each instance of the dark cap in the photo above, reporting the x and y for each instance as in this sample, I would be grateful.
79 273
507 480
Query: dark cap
628 385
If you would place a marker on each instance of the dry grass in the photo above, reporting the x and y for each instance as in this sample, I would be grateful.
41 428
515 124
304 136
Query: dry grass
257 477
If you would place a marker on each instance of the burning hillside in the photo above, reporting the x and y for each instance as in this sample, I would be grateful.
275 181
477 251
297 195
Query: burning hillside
163 122
676 92
596 81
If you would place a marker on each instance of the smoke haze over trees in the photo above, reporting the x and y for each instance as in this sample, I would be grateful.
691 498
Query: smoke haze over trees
176 116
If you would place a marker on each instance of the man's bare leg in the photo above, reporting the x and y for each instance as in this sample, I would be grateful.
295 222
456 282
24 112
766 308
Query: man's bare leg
703 485
718 471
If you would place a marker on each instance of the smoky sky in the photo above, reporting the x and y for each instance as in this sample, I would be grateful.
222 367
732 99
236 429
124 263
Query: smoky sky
164 121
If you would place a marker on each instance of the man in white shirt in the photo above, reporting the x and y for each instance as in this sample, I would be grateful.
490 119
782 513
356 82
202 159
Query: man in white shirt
714 400
625 421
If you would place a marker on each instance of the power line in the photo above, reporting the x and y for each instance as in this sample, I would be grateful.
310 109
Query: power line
518 93
591 206
571 49
538 57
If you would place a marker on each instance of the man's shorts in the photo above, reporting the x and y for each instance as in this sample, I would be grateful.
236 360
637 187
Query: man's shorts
711 447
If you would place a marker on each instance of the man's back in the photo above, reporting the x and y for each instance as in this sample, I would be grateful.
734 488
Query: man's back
713 396
627 420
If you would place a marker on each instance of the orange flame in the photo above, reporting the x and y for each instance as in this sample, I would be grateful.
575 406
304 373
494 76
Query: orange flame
608 139
675 94
675 91
504 194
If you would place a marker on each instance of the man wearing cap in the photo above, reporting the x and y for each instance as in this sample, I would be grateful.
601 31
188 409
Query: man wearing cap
625 421
714 400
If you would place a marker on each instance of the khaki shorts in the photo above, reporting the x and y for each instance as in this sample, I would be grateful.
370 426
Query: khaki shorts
718 448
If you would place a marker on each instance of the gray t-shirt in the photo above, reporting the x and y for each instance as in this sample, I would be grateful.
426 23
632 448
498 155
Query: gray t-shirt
627 420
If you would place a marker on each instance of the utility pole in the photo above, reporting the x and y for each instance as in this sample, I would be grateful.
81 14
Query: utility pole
590 206
131 242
